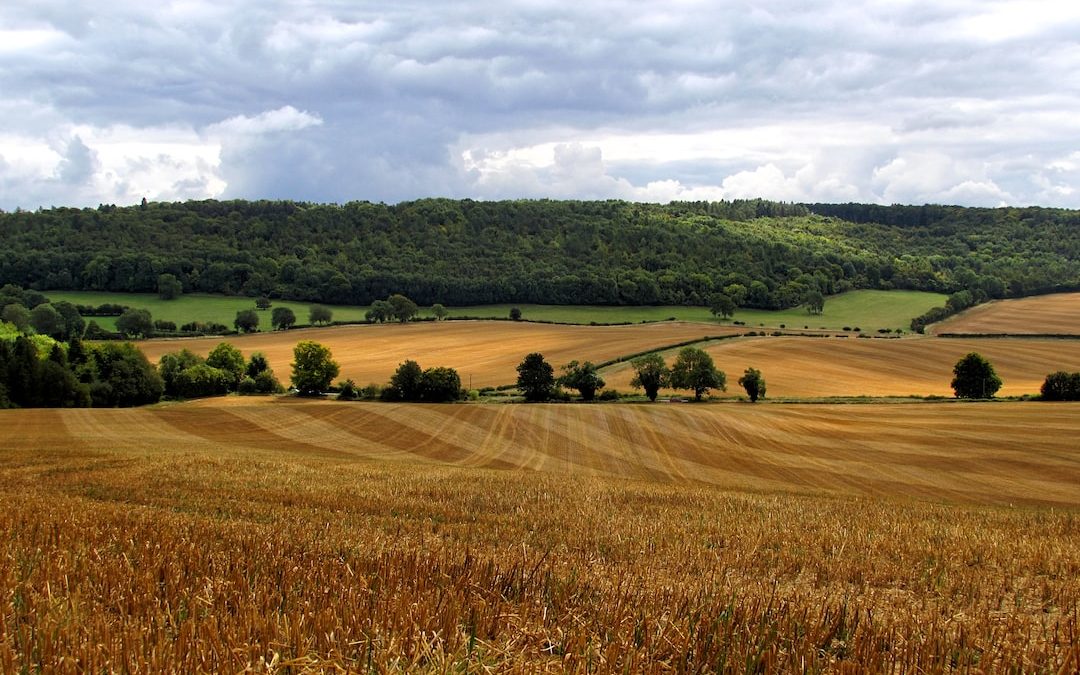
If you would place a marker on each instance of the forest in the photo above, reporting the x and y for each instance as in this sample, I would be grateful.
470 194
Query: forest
762 254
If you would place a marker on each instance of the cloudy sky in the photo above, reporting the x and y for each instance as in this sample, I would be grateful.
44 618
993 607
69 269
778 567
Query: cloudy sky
973 102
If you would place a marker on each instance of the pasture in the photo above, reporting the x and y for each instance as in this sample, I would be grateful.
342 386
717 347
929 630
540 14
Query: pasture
1057 314
484 353
867 309
278 535
800 367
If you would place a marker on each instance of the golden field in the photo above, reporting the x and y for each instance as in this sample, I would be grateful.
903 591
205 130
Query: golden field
1057 314
912 366
485 352
277 535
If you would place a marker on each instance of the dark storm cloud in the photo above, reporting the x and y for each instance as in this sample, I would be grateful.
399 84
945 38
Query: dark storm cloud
882 101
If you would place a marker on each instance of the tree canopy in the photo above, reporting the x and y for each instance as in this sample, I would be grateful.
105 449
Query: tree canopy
650 374
536 378
313 368
974 377
694 370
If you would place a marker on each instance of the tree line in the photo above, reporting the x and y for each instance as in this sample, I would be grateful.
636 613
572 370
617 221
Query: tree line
462 252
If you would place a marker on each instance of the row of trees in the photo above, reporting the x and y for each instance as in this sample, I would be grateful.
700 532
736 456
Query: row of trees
188 375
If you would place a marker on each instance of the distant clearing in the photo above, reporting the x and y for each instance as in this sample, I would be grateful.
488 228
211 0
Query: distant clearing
1057 314
484 352
946 451
815 367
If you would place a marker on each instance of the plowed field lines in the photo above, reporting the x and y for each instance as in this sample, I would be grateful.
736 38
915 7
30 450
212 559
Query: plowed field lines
1057 314
997 453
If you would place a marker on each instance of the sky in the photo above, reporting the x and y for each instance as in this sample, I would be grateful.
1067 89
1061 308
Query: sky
970 102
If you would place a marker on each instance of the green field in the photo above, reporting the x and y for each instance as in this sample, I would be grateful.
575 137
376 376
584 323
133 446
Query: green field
869 310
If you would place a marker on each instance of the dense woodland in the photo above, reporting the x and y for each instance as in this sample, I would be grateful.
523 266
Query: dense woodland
762 254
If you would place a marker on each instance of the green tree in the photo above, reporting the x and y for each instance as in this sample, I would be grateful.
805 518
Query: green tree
814 301
319 315
135 323
202 380
169 287
313 368
536 378
515 314
17 315
694 370
124 377
247 321
380 311
282 318
406 384
229 360
47 321
74 324
754 384
263 302
1061 386
172 364
439 312
404 309
721 305
439 385
650 374
974 377
583 377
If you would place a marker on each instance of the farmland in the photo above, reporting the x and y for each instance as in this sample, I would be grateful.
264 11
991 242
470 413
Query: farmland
913 366
486 351
283 535
1057 314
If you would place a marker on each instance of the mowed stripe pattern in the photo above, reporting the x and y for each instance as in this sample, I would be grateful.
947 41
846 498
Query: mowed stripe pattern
485 353
991 453
1057 314
816 367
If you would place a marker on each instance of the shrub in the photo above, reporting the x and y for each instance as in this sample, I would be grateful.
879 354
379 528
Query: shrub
347 391
247 387
1061 386
609 395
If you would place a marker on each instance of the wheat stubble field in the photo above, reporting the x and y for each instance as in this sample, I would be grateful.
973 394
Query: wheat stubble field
1056 314
236 535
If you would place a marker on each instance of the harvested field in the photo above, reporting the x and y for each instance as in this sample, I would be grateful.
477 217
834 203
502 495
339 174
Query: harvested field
485 351
797 367
1057 314
951 451
274 536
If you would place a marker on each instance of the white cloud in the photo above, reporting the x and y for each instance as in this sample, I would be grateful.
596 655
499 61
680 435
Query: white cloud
286 118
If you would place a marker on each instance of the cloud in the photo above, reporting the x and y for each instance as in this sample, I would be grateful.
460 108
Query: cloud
963 100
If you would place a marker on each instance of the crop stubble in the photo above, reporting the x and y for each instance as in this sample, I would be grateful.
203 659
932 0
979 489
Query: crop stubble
276 536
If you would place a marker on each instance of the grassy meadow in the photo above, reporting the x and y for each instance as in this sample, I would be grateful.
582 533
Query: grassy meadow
869 310
183 538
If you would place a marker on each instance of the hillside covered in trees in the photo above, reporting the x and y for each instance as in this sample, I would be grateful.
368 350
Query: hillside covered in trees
762 254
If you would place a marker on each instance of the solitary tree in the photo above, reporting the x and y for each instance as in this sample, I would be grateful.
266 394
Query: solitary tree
282 318
515 314
721 305
404 309
247 321
753 383
169 287
263 302
320 315
974 377
313 368
650 374
583 377
536 378
694 370
439 311
814 301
